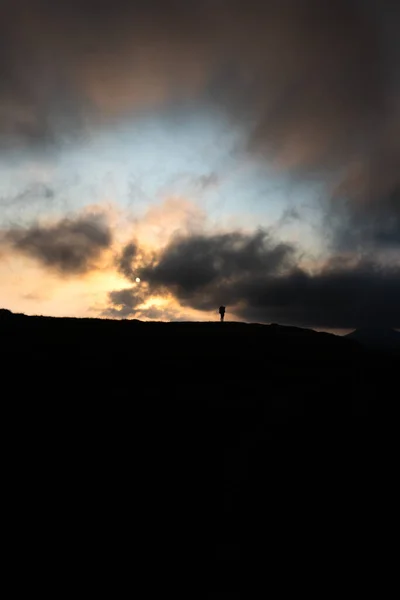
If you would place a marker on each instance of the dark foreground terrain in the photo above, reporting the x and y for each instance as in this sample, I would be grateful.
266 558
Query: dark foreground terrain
239 444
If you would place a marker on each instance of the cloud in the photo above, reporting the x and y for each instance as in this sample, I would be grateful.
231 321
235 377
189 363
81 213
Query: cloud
205 182
315 84
296 68
32 193
202 261
260 279
156 313
124 303
125 261
70 247
137 302
165 219
367 224
288 216
350 296
67 67
34 297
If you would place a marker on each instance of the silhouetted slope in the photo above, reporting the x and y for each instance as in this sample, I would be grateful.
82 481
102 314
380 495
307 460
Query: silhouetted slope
239 442
387 339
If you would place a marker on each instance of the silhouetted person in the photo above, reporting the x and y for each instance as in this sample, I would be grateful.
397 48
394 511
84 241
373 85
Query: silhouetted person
222 312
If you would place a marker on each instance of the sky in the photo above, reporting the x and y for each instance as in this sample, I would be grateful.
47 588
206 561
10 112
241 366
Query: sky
161 158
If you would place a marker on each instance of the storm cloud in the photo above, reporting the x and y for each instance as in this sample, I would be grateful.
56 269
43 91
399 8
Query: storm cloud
202 261
367 224
350 296
314 87
125 261
70 247
315 84
124 303
260 279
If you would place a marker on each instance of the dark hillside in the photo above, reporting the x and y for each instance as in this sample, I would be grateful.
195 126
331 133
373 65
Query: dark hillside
212 427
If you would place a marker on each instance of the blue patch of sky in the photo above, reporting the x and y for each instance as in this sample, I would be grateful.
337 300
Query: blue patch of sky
196 155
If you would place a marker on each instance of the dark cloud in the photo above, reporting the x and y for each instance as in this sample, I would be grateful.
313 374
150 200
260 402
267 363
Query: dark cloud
71 246
201 262
127 303
259 279
125 261
68 65
126 297
367 224
350 296
303 71
124 303
316 84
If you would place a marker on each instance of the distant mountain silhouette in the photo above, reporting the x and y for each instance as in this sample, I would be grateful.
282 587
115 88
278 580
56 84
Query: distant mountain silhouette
383 339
